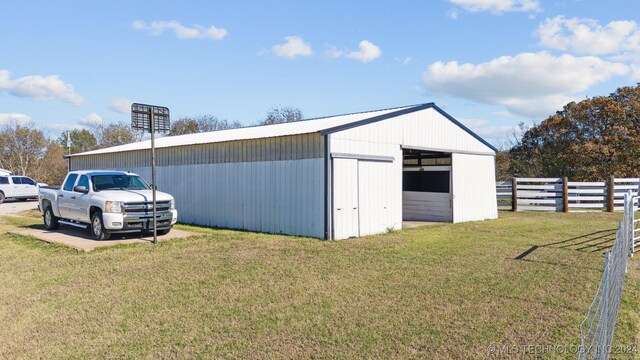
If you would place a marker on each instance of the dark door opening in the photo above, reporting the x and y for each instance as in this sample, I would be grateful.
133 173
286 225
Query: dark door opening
426 186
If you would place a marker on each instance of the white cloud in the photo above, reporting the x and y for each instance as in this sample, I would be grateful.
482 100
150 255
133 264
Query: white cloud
333 53
503 113
120 105
404 60
293 47
497 6
91 120
530 84
586 36
473 123
368 52
487 131
453 14
156 28
64 127
14 117
40 88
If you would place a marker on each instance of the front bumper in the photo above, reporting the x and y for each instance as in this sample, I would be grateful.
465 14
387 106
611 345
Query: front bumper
131 222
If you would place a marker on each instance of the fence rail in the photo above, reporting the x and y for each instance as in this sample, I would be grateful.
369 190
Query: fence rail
560 194
597 329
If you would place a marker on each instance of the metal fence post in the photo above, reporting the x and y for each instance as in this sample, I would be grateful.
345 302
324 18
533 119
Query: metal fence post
602 348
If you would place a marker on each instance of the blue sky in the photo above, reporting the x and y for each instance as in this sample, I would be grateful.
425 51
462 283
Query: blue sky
489 63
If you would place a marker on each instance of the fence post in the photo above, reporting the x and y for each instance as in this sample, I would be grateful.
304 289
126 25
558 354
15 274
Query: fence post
610 194
565 194
514 194
602 349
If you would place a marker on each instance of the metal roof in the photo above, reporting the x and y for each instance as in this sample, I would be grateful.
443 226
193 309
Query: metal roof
323 125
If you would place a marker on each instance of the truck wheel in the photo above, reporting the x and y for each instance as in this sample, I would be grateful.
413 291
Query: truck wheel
50 220
1 197
163 232
98 232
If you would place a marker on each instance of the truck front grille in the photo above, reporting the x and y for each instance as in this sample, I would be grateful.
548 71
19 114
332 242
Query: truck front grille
146 207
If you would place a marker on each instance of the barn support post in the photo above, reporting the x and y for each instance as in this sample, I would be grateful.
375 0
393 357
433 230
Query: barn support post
565 195
610 194
514 194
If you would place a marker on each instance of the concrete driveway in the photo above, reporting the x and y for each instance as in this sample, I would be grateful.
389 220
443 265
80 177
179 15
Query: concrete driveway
80 239
13 207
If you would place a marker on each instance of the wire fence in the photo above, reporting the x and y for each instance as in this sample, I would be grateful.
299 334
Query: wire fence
597 329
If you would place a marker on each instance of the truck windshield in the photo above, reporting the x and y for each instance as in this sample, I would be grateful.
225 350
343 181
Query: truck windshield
118 182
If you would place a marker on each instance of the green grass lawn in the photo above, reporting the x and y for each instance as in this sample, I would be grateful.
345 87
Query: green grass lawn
446 291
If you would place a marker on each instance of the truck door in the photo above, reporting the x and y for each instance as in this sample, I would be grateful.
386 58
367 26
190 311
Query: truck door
81 202
30 187
65 202
17 188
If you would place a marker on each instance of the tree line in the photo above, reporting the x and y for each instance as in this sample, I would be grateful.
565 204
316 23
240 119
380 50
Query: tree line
26 150
588 140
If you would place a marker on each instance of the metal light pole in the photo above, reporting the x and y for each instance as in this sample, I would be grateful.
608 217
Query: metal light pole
144 117
153 173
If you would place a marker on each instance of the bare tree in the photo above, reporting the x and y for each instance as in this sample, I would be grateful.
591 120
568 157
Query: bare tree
115 134
282 114
22 146
202 123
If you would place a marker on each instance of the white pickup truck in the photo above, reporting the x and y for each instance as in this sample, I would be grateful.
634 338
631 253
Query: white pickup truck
106 202
17 187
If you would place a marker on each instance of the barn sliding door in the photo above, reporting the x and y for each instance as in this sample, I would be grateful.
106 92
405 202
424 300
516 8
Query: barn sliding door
362 193
345 198
373 196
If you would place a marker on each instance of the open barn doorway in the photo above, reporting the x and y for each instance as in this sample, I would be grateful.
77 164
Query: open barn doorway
426 186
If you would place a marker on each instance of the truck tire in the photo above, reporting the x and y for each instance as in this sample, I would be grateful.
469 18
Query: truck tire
50 220
98 232
1 197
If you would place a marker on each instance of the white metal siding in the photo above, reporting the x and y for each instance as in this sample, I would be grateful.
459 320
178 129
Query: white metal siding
427 128
474 187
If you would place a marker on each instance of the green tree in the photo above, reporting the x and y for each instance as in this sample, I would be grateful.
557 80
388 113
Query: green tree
81 140
588 140
202 123
282 114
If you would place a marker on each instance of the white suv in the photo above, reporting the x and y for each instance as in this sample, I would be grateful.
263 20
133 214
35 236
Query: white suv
17 187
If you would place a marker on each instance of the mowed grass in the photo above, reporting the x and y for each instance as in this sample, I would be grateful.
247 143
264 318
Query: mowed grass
445 291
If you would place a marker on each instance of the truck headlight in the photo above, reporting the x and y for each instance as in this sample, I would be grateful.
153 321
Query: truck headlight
172 205
113 207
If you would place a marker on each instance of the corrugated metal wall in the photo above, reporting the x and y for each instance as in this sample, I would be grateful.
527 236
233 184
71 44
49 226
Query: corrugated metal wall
271 185
474 190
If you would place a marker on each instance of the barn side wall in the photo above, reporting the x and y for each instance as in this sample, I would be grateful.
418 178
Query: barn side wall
270 185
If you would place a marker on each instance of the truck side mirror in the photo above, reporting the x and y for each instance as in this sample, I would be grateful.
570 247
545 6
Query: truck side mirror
81 189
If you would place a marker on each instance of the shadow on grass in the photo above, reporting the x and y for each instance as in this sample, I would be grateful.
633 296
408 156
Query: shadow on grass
599 241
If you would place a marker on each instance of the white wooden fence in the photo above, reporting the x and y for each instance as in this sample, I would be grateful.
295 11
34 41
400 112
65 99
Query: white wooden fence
559 194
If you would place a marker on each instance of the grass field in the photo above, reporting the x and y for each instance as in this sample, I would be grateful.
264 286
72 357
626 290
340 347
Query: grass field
446 291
